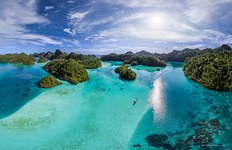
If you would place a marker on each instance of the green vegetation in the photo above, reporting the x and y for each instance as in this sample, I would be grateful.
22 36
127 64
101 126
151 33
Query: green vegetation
48 82
68 70
210 67
151 59
211 70
21 58
59 55
181 56
42 60
53 66
72 72
125 73
89 62
6 58
48 55
130 57
32 58
121 68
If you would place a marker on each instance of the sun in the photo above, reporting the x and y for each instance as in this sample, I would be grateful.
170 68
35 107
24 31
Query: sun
157 20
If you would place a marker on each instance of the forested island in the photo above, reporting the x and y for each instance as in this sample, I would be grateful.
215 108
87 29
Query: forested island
125 72
48 82
68 70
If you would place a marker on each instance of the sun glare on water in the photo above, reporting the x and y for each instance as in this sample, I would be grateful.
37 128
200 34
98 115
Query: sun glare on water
157 99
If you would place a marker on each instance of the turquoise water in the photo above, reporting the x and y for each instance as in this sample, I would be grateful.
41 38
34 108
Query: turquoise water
99 114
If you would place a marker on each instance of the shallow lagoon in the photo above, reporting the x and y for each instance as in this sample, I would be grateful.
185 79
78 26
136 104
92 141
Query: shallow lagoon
99 114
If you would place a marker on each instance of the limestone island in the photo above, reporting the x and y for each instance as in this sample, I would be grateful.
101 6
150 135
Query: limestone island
48 82
125 73
68 70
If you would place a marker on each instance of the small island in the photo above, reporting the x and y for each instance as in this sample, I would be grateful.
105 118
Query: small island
125 73
48 82
68 70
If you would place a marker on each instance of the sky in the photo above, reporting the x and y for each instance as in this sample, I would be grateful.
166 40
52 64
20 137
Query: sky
106 26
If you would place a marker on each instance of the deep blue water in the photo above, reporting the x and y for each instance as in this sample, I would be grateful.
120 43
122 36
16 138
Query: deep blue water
18 86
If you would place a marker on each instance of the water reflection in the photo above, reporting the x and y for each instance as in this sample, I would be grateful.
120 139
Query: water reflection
157 99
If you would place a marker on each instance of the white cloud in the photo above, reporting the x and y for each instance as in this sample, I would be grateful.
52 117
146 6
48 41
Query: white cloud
80 22
200 46
145 3
187 23
46 8
86 26
14 16
20 12
70 31
40 38
121 24
70 1
151 26
101 49
77 15
227 40
200 11
71 43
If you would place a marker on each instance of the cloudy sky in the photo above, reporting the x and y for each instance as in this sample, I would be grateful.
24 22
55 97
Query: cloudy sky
104 26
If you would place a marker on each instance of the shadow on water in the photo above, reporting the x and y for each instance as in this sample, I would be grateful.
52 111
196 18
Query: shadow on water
18 87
